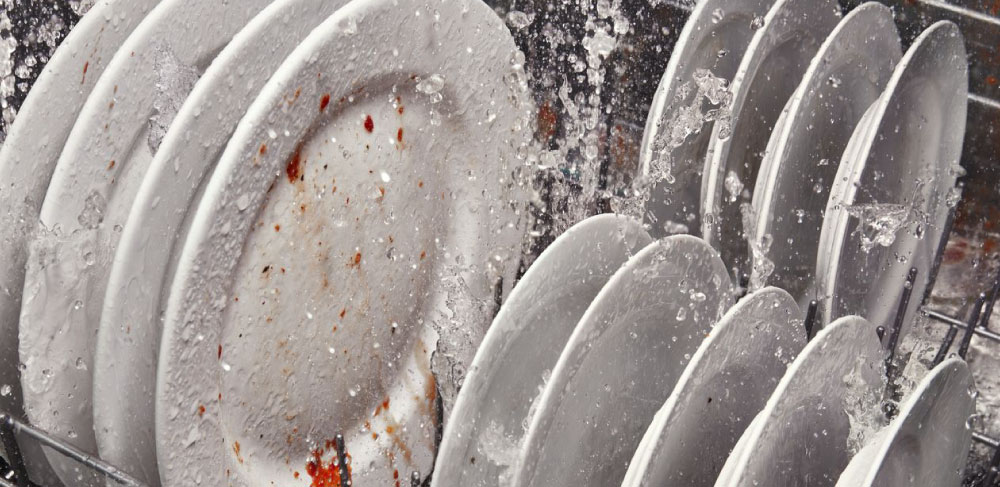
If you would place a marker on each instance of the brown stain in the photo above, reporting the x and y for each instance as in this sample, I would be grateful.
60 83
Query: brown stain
236 449
324 102
277 228
399 135
263 149
293 169
111 165
201 410
548 121
86 66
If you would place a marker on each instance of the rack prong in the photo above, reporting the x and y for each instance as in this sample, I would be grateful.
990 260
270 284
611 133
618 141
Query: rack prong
13 452
345 473
977 310
988 312
892 341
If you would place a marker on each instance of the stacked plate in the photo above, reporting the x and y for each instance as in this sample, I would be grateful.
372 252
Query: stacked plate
273 234
258 220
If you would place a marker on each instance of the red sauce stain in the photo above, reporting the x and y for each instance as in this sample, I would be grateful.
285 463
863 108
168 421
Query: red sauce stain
294 167
547 121
381 191
389 429
399 134
324 102
369 124
991 80
220 351
356 261
420 184
325 474
343 311
201 410
263 149
277 228
295 474
86 66
111 165
423 254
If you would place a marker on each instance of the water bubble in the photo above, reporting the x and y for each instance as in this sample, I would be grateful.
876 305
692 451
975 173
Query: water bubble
757 22
6 390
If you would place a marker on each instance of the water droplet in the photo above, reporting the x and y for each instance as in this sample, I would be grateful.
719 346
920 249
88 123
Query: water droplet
717 15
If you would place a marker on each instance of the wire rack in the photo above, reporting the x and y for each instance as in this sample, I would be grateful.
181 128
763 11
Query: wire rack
978 21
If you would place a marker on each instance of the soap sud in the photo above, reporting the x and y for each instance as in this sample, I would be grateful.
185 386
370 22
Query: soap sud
174 80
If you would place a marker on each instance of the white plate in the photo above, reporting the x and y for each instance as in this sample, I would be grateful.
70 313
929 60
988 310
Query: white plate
621 363
847 75
704 37
494 406
820 410
129 334
29 154
769 73
927 442
729 378
350 219
915 134
88 199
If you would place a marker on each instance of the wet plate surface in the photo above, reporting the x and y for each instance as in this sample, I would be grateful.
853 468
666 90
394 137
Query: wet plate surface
706 55
821 413
848 74
143 266
890 202
927 443
730 377
29 154
89 196
621 363
769 73
494 407
364 208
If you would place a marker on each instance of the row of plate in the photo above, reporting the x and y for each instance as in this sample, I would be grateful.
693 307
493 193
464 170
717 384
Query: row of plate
664 381
826 167
246 210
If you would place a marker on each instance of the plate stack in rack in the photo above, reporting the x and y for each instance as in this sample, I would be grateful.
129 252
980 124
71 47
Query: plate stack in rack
294 242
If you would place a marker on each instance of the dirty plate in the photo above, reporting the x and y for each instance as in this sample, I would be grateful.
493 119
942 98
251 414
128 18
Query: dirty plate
769 74
816 418
621 363
847 75
364 211
888 207
927 442
714 39
29 154
729 379
511 365
142 270
89 197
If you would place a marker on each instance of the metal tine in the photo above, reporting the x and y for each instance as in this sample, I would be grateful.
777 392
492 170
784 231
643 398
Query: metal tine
892 341
10 425
963 347
970 328
991 471
988 312
345 473
810 321
942 352
13 451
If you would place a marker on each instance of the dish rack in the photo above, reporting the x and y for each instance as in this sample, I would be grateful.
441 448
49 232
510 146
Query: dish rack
979 211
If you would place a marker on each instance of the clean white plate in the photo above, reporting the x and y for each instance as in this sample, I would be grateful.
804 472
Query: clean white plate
29 154
89 197
129 335
621 363
704 38
847 75
729 379
907 157
769 73
363 211
494 406
822 408
927 442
